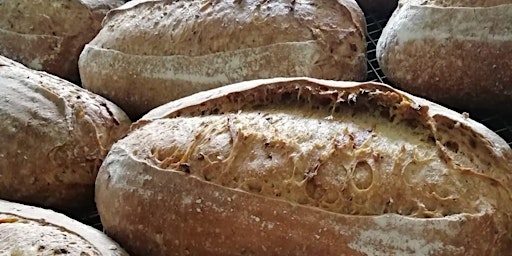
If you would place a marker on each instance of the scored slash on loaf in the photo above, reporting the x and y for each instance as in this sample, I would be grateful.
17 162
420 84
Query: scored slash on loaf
151 52
301 166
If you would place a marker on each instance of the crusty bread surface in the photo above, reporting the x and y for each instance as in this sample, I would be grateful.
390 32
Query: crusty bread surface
49 35
53 138
300 166
151 52
31 231
457 52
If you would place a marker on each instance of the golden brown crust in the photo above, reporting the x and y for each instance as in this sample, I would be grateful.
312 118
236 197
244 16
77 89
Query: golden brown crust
28 230
432 49
183 215
49 36
262 166
54 136
189 26
190 46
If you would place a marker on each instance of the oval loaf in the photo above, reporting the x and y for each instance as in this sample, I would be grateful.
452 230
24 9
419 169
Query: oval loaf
299 166
455 52
28 230
151 52
53 137
49 35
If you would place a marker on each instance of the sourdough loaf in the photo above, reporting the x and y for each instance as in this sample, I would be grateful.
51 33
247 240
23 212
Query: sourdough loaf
456 52
151 52
49 35
298 166
32 231
53 137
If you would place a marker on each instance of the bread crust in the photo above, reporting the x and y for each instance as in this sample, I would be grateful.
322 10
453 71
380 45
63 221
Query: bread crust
190 46
82 236
49 36
156 191
53 137
455 53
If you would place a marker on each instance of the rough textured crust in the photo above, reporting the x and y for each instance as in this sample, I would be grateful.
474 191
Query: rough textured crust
49 35
28 230
151 52
383 8
458 53
53 137
299 166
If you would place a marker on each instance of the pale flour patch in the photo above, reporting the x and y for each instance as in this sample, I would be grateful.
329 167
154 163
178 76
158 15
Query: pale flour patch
293 58
387 237
36 64
372 242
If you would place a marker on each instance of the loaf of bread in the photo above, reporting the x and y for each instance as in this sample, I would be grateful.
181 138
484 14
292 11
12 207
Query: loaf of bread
455 52
49 35
53 138
151 52
299 166
378 8
32 231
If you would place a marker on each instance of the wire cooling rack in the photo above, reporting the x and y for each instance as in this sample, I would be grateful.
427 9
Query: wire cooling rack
374 30
497 122
89 217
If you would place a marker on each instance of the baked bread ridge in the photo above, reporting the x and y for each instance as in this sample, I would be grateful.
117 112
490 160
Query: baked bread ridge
49 36
232 207
28 230
190 46
53 138
434 50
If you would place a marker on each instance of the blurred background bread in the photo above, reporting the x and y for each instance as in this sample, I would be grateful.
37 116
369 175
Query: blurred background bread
53 138
456 52
49 35
151 52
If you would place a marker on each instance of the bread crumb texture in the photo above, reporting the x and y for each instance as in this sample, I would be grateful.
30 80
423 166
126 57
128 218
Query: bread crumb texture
24 237
321 151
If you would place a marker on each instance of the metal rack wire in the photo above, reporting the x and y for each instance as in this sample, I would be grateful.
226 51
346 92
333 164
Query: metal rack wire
89 217
373 31
497 122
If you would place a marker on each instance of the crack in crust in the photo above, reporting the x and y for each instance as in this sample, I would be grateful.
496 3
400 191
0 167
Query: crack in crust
333 149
